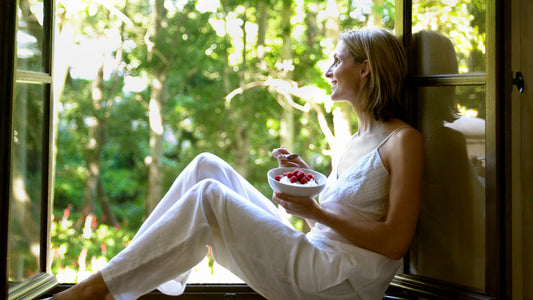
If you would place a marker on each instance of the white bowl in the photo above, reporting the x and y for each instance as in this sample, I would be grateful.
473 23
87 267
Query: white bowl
296 190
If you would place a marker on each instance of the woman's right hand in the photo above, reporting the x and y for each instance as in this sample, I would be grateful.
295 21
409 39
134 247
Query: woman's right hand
287 159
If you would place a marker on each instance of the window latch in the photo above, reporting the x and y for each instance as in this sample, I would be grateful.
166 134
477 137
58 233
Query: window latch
519 82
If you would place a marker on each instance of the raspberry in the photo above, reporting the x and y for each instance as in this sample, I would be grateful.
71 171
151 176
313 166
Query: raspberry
296 176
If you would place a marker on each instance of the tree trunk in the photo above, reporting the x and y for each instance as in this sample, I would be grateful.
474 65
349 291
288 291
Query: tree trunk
93 147
94 191
158 80
262 26
155 161
312 27
287 114
242 153
236 113
108 216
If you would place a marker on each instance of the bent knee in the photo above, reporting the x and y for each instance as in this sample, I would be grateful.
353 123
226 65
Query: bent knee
207 163
209 160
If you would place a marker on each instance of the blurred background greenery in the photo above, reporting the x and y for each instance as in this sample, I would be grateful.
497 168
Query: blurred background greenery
142 87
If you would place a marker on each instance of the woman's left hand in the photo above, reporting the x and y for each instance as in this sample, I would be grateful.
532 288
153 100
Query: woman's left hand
304 207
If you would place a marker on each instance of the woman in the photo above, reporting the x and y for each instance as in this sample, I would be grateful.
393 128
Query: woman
360 231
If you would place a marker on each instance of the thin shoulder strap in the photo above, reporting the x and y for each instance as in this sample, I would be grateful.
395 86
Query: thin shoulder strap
391 134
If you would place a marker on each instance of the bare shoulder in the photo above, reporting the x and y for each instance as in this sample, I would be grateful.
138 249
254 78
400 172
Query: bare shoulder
404 146
407 137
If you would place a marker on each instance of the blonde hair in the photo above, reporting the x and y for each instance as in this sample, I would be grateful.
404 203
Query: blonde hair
388 70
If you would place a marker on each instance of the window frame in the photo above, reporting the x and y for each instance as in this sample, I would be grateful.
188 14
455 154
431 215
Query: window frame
10 77
7 62
497 82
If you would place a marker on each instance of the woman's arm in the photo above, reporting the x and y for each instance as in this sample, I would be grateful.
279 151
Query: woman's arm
402 154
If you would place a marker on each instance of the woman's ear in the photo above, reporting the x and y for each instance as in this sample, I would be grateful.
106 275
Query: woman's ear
365 68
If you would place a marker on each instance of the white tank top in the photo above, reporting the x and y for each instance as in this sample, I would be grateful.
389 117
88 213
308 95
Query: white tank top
362 192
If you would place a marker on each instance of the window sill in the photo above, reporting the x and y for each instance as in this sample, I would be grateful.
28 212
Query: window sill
195 292
220 291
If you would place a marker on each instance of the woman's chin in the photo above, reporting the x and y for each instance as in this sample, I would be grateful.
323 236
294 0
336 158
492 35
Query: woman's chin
336 98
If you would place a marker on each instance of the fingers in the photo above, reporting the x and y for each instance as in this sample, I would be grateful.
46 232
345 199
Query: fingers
287 163
298 163
276 199
287 205
292 199
287 159
279 152
289 156
283 154
281 202
288 200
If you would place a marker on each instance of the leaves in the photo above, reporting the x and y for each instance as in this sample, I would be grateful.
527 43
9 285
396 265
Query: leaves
209 51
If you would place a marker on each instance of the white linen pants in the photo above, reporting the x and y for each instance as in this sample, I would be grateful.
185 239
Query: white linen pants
211 204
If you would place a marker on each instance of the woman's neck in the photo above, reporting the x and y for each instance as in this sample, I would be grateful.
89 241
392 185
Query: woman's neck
367 124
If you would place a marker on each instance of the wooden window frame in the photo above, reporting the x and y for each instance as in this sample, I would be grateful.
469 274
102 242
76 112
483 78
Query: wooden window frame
7 62
497 82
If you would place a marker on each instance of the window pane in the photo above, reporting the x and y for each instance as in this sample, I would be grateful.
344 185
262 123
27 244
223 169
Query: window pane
462 21
30 35
25 202
450 244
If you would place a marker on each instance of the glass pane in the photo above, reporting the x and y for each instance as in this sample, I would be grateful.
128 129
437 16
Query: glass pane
462 21
30 35
25 202
450 243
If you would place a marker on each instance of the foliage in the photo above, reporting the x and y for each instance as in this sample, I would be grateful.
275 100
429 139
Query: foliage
209 53
81 245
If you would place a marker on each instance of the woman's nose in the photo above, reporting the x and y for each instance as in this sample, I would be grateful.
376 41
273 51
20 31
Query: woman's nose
328 73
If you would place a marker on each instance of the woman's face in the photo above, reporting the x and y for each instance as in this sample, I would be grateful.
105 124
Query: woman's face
346 75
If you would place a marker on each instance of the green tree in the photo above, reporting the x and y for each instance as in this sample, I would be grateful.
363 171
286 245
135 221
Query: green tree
183 77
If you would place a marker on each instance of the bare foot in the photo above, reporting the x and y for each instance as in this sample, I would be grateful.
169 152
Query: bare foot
93 287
